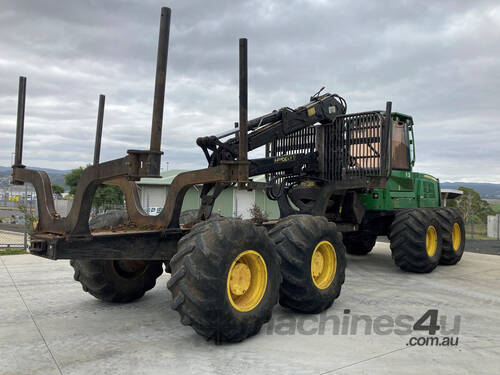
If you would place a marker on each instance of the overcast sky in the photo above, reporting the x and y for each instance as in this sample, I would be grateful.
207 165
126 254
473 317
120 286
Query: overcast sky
436 60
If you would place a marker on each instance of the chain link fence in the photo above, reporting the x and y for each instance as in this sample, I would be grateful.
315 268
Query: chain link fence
476 227
103 208
17 217
476 231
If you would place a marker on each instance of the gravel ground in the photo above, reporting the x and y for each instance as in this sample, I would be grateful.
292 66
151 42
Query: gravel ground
19 228
491 247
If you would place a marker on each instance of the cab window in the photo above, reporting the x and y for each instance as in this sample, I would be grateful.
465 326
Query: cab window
400 149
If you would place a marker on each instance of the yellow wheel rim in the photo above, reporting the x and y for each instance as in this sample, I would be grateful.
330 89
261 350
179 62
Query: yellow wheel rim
431 241
456 237
247 281
323 264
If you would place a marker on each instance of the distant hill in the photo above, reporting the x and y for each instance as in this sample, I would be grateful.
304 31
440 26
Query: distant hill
56 175
48 170
485 190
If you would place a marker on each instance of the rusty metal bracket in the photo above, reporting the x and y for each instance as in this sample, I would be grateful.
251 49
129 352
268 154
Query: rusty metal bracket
69 237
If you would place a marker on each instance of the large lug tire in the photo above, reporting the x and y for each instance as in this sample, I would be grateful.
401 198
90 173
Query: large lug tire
187 217
453 229
416 240
359 243
312 262
225 279
117 281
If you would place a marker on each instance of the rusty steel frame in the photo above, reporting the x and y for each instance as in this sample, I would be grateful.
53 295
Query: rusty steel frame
69 237
156 237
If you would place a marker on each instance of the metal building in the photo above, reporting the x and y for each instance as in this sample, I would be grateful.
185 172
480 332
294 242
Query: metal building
493 226
231 202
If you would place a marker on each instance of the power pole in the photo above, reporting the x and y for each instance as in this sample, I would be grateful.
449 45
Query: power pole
25 217
498 226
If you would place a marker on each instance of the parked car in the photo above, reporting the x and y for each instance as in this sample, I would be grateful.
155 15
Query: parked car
153 211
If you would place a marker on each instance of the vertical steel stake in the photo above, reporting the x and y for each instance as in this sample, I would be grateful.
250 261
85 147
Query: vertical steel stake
21 101
98 132
161 71
243 83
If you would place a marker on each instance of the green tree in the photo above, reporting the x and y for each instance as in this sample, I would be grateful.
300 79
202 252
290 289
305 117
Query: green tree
471 205
57 189
29 218
71 179
105 194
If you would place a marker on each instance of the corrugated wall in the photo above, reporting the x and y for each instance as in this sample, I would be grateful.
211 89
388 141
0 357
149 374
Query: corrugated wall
223 204
268 206
156 195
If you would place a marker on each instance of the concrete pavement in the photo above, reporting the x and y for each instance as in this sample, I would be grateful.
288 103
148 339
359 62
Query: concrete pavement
48 325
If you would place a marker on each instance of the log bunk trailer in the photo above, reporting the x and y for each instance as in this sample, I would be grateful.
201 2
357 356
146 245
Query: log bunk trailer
329 172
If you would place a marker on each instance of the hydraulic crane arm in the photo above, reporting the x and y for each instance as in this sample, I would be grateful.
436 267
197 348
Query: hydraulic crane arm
277 124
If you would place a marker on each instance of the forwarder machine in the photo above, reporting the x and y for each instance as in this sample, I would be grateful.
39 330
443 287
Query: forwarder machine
330 173
355 170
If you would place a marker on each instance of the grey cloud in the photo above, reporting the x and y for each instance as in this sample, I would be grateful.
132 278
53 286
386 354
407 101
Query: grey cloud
435 60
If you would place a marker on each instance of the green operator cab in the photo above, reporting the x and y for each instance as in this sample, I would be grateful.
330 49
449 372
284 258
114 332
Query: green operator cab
404 188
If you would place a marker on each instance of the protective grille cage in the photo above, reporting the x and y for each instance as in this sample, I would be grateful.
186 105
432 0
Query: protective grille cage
299 142
354 146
